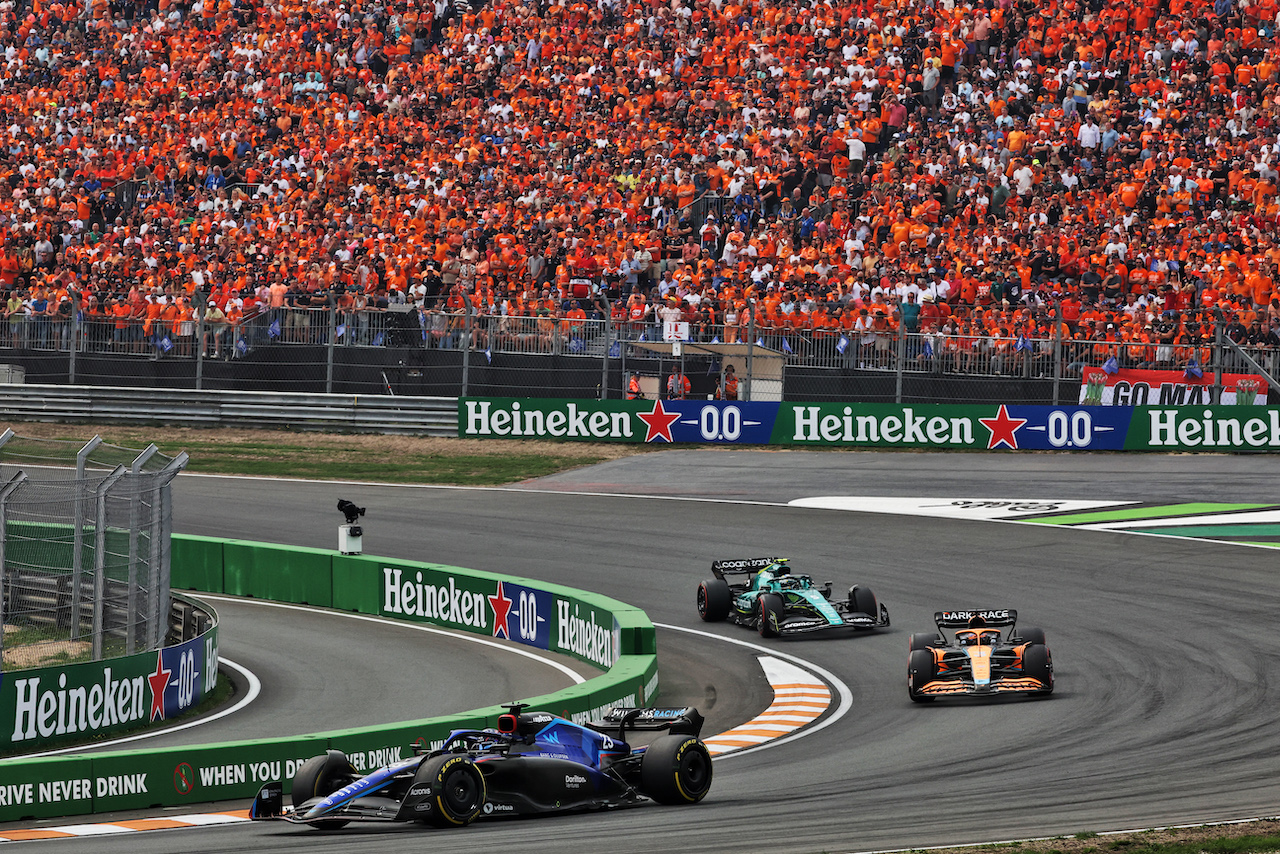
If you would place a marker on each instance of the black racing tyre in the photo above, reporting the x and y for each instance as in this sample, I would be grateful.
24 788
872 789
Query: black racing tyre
319 777
770 610
713 600
863 601
457 789
921 669
922 640
676 769
1032 636
1037 664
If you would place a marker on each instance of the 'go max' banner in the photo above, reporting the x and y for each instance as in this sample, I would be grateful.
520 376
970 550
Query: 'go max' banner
1130 387
944 426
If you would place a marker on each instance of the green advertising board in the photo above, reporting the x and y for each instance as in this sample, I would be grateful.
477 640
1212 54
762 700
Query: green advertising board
44 707
940 426
611 635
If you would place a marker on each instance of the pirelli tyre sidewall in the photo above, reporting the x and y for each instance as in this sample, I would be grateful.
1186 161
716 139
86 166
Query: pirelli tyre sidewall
921 669
714 600
676 769
457 787
771 611
319 777
1037 664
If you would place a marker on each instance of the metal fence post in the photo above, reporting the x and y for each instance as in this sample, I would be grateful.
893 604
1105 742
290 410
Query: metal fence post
75 337
622 352
201 310
153 568
332 315
161 546
604 361
900 345
1219 330
14 482
131 594
100 560
77 535
751 345
1057 350
466 339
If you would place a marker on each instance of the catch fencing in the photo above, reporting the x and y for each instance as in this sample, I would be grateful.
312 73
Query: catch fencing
84 550
407 351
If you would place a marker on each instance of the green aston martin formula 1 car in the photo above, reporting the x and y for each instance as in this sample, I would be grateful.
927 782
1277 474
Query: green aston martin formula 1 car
763 593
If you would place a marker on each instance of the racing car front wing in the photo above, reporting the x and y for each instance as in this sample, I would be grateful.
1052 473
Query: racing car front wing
809 625
1007 685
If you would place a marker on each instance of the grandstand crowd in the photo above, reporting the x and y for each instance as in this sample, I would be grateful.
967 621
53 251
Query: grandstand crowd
836 170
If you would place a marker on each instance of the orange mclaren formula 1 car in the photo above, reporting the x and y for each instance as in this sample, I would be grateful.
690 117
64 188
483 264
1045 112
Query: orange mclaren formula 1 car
984 655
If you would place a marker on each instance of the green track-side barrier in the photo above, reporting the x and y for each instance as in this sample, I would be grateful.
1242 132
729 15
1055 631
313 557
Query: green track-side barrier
63 704
617 638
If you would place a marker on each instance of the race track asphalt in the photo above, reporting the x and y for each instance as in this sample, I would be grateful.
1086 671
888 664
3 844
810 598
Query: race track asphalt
1167 659
321 670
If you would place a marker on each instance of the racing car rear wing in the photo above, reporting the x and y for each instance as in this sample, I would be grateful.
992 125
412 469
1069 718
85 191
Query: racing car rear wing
743 566
683 721
963 619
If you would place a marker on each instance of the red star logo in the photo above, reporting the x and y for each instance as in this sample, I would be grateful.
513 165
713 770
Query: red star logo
158 681
501 609
659 422
1003 429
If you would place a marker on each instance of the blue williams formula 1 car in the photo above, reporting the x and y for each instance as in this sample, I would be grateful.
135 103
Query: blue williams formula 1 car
764 594
534 762
985 655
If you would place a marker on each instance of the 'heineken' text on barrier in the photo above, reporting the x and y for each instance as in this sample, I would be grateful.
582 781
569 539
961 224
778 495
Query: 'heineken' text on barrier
583 636
572 421
443 602
908 428
78 709
1223 428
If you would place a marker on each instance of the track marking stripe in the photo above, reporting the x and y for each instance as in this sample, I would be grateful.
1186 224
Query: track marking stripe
67 831
790 710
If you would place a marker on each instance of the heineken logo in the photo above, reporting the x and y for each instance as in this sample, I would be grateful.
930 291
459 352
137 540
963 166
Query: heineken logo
568 421
443 601
1214 428
581 635
819 424
43 709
